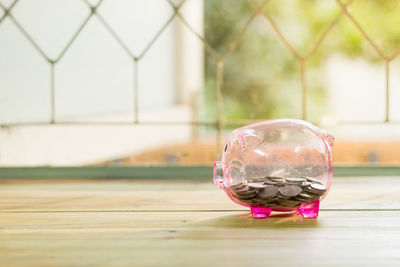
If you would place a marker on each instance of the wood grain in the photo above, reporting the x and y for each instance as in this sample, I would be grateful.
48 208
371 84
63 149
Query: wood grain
186 223
46 195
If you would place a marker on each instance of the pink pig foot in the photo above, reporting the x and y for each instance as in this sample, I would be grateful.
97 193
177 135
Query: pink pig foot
309 210
258 212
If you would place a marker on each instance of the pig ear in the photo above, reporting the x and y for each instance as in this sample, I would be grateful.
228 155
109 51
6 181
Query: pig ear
247 138
328 138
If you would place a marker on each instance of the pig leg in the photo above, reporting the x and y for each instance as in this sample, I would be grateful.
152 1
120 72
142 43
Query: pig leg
309 210
259 212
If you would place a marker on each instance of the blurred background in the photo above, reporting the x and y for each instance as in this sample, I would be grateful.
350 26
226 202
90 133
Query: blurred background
161 82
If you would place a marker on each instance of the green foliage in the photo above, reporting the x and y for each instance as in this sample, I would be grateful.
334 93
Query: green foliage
262 77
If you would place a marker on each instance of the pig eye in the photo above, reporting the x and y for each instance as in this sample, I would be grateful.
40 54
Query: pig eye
226 147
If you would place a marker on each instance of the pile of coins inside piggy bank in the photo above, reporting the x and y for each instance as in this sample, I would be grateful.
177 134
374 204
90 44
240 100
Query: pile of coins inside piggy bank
278 192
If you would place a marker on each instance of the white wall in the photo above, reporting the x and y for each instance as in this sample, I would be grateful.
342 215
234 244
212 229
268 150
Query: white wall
357 92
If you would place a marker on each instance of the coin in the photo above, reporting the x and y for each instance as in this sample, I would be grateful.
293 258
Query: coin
265 202
248 201
241 189
313 180
255 180
281 196
269 191
319 187
243 197
259 185
274 183
276 179
243 193
314 193
316 189
295 180
239 185
290 190
304 197
289 203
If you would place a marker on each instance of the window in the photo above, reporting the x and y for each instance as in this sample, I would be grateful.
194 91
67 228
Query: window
163 82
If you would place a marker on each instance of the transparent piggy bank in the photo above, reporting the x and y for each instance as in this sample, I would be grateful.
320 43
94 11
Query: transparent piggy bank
278 165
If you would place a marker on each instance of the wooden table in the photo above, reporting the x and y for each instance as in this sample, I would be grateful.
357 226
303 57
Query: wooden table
191 223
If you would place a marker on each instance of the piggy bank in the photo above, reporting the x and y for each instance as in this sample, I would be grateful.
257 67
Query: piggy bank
278 165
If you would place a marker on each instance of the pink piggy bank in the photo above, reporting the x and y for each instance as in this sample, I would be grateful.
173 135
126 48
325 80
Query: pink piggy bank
278 165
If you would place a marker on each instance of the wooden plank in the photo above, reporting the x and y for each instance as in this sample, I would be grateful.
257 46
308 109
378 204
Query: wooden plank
346 193
161 172
356 238
108 172
111 195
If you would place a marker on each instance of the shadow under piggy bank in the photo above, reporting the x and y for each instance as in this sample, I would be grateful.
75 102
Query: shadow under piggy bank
275 220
